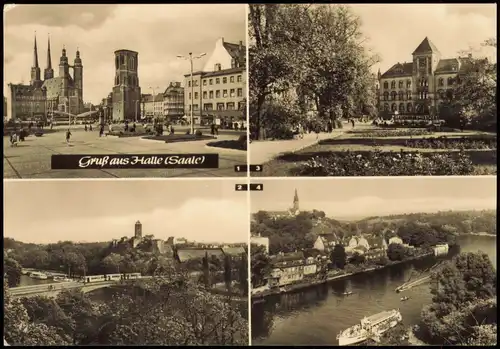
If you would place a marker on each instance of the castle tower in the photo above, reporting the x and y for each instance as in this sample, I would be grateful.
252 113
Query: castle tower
126 90
78 79
48 73
425 60
138 230
35 69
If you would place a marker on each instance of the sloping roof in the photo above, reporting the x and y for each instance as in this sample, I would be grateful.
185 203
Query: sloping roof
426 46
329 237
237 52
399 70
159 97
233 251
170 240
450 65
292 256
147 98
186 254
219 72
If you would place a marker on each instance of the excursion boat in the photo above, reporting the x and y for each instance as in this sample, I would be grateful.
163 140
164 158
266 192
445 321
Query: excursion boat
62 279
405 298
371 327
37 275
347 293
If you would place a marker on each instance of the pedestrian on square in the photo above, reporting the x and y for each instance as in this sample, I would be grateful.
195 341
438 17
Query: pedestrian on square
101 131
90 127
352 122
68 136
85 127
212 129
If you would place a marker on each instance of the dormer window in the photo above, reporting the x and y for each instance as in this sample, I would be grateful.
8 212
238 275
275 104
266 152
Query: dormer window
233 63
217 67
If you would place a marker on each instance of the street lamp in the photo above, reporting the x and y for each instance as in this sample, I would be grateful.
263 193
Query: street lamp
154 96
138 100
191 58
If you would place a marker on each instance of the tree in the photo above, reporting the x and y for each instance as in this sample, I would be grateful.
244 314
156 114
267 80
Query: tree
260 265
357 259
113 262
397 252
206 271
464 292
13 271
243 274
227 271
338 256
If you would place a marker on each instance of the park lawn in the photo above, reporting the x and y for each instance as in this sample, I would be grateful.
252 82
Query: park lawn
285 164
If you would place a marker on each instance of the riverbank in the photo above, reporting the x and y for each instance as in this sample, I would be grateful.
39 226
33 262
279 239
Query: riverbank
481 234
313 283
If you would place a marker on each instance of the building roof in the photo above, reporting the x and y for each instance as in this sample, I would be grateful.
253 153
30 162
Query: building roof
237 52
399 70
233 251
451 65
426 46
288 257
159 97
329 237
147 98
185 254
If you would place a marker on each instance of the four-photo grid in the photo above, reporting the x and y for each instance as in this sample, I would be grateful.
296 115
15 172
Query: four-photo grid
393 242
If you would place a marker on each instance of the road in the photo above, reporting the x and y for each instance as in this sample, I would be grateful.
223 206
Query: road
31 158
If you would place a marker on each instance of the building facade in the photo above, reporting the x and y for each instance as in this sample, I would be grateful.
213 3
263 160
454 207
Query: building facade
173 102
126 90
49 96
218 92
417 88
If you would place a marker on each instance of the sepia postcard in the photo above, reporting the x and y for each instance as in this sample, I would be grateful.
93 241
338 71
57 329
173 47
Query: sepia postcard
127 263
385 261
373 89
129 82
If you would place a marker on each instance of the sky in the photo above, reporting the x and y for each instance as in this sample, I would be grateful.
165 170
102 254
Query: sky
395 31
158 32
357 198
92 211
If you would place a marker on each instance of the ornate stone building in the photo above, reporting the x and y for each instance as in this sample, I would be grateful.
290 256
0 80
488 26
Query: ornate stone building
126 93
173 102
43 98
418 87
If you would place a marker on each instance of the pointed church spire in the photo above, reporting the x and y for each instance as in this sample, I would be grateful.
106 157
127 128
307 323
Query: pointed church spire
49 58
35 55
295 197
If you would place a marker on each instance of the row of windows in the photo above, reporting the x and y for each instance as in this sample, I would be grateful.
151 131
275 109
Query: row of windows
394 96
126 80
218 106
423 82
122 60
217 81
409 107
210 95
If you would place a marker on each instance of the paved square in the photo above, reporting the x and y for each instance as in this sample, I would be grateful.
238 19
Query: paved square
31 158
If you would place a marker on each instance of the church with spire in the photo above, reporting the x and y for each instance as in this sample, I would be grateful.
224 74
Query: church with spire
47 94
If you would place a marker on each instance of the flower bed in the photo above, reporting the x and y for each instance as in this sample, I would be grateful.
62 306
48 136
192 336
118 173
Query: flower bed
229 144
444 142
378 163
123 134
390 133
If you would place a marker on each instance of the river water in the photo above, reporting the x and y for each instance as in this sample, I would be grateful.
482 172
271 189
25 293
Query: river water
316 315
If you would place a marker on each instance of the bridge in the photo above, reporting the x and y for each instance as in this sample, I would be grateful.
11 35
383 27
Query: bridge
420 281
53 289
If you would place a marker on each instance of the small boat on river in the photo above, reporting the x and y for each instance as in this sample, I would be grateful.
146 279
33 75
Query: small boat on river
405 298
37 275
347 293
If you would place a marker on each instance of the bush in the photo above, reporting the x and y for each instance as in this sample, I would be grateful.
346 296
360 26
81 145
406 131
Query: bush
338 124
242 139
444 142
390 133
378 163
198 133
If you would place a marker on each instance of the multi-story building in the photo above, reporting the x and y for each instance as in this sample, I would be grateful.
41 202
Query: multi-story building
417 88
287 268
107 109
152 106
173 102
126 90
217 93
43 98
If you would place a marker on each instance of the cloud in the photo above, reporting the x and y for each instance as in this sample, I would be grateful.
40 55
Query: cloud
158 32
198 219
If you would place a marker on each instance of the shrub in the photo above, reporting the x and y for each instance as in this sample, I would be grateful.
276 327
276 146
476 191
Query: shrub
198 133
378 163
338 124
242 139
390 133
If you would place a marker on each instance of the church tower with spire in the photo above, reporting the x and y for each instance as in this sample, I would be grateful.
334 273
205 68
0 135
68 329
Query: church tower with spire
35 69
48 73
295 208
